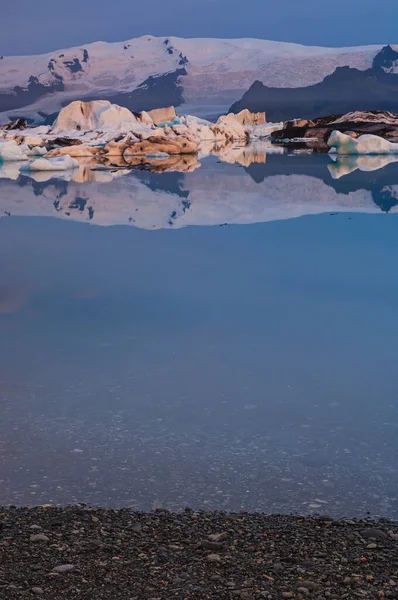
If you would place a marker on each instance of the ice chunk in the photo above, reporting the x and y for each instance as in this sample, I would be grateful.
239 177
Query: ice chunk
59 163
341 143
10 150
37 151
96 115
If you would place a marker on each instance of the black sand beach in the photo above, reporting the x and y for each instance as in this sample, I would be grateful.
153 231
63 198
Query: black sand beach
94 554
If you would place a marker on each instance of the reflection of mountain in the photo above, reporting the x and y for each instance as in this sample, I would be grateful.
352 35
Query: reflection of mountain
282 187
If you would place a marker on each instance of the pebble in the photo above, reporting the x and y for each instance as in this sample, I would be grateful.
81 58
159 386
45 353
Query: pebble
37 590
63 568
211 545
218 537
373 533
372 546
39 537
213 557
298 558
308 585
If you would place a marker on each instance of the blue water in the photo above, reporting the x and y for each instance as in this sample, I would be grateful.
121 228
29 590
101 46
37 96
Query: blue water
242 367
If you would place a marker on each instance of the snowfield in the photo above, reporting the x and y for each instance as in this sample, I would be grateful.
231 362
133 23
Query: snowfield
212 71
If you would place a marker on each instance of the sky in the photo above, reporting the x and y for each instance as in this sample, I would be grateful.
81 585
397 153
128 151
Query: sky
38 26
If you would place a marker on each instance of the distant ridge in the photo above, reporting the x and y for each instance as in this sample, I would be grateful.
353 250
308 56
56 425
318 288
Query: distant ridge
199 75
347 89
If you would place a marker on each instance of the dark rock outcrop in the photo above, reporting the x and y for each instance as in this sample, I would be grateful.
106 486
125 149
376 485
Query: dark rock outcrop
20 96
155 92
15 124
386 59
315 133
345 90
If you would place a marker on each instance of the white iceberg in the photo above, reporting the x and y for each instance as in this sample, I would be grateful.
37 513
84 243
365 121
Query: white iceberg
10 151
59 163
340 143
37 151
96 115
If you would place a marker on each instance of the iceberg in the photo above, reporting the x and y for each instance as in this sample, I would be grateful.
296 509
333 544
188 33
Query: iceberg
95 115
340 143
59 163
11 151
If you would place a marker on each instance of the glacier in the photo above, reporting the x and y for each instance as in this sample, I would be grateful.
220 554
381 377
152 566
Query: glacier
208 72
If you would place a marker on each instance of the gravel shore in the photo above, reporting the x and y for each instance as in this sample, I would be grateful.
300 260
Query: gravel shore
87 553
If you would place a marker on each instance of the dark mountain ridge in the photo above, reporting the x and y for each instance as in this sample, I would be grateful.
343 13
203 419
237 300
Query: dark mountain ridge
345 90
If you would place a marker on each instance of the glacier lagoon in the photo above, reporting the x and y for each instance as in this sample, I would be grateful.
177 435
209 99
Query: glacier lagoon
223 337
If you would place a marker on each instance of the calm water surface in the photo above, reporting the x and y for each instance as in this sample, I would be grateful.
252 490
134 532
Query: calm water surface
152 355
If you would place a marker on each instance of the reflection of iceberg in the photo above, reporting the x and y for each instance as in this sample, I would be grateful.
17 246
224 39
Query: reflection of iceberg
10 170
44 176
344 165
58 163
244 155
281 188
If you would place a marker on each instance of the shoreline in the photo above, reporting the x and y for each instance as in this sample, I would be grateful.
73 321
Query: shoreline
94 554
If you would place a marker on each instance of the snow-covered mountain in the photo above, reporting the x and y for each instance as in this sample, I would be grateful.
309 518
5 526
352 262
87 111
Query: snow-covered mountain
149 72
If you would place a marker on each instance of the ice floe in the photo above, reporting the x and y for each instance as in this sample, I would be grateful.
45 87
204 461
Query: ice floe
341 143
11 151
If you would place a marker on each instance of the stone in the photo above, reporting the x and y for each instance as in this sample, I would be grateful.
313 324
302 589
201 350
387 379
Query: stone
287 595
17 124
39 537
309 585
213 558
371 546
218 537
37 590
373 533
211 545
63 568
